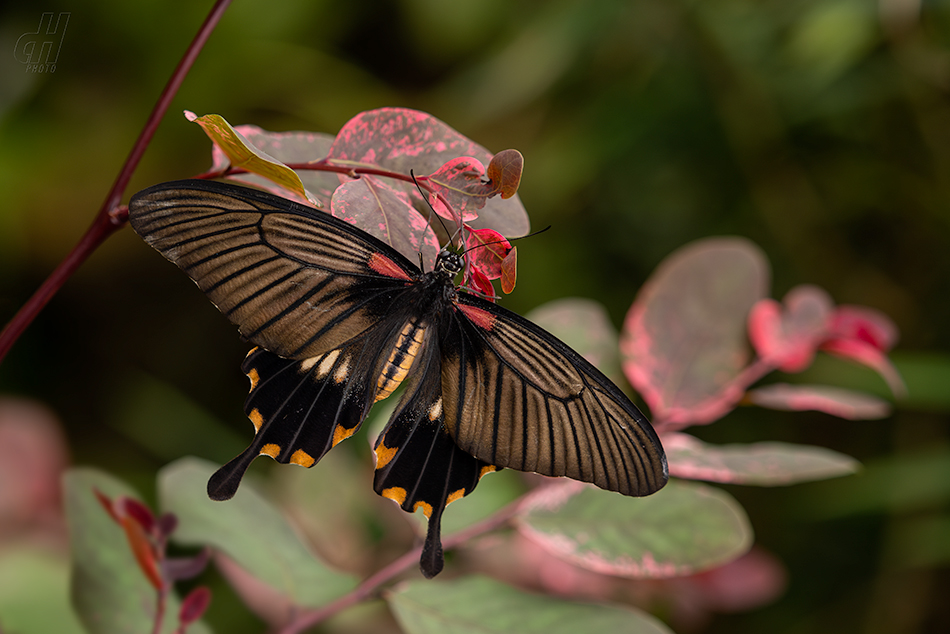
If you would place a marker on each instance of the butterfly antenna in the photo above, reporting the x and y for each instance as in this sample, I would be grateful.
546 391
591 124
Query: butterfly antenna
487 244
433 211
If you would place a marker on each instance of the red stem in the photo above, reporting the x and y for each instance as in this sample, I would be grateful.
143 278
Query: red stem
110 217
369 587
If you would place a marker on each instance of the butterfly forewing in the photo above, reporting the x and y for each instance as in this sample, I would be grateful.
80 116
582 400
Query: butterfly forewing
295 281
518 397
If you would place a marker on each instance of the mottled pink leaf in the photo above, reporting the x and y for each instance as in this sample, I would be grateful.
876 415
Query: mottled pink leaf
400 139
824 398
684 339
762 464
463 186
787 335
682 529
370 204
486 249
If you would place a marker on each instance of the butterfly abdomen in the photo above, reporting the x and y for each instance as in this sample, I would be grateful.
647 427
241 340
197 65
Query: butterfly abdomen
401 358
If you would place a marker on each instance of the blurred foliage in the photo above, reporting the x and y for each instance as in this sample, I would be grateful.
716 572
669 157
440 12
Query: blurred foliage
820 129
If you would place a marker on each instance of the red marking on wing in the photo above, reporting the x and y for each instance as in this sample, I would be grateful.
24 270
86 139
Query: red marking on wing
480 317
383 265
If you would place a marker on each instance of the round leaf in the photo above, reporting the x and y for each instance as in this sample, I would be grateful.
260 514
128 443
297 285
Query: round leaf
478 605
682 529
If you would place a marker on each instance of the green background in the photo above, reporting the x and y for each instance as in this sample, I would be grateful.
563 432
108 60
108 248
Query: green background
820 129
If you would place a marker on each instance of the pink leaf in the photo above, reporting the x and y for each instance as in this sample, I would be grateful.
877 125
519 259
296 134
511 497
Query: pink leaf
400 139
684 339
761 464
370 204
462 184
194 605
479 283
865 335
786 337
832 400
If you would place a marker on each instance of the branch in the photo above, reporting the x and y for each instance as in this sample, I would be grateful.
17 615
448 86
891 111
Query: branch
371 586
111 217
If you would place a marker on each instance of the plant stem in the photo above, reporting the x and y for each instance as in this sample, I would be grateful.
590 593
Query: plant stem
370 587
110 217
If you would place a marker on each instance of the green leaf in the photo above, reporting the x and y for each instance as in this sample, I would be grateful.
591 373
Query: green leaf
34 592
109 591
762 464
478 605
682 529
250 531
242 153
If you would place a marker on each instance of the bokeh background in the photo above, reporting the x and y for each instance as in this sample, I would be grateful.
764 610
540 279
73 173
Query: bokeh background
820 129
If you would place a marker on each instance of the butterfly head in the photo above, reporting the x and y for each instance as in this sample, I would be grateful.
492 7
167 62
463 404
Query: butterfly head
449 263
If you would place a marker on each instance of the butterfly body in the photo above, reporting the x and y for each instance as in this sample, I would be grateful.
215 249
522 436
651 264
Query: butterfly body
341 320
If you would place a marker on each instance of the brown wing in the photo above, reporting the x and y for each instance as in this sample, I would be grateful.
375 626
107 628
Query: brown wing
295 281
516 396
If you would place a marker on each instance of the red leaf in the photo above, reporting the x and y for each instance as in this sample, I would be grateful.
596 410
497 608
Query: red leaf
505 171
684 339
787 337
509 271
864 335
481 284
194 605
486 250
832 400
461 183
138 512
144 551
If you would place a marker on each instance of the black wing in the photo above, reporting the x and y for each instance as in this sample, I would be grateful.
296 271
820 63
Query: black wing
518 397
295 281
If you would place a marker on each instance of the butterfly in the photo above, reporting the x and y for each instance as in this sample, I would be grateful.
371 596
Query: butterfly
341 319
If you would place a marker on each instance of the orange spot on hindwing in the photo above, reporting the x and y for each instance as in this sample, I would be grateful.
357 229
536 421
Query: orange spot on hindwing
302 458
270 449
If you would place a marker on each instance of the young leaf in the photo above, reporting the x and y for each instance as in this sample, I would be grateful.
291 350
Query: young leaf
505 171
787 335
372 205
479 605
487 249
194 605
241 153
109 592
823 398
762 464
509 271
250 531
683 529
865 335
684 338
400 140
286 147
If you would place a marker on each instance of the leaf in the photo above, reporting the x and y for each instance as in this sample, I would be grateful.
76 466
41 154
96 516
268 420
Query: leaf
242 153
762 464
823 398
487 249
684 339
400 140
479 605
505 171
34 591
109 592
370 204
250 531
287 147
509 271
462 184
787 335
682 529
584 325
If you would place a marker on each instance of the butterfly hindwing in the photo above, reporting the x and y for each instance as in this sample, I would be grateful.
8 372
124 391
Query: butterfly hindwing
295 281
516 396
418 465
